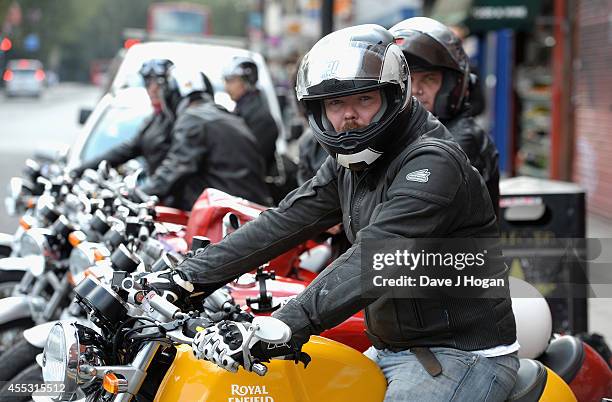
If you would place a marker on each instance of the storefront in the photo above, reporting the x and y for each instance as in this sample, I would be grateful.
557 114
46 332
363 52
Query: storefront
592 103
522 62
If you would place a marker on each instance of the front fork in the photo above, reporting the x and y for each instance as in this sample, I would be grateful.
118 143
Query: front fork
33 287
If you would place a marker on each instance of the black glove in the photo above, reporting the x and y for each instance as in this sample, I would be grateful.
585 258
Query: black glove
231 344
168 283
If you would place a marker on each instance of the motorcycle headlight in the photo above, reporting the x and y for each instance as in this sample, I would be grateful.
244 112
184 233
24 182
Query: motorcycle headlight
33 242
81 258
60 362
84 256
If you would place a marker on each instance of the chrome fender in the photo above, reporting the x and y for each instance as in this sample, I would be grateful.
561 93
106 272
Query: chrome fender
6 240
37 336
14 264
14 308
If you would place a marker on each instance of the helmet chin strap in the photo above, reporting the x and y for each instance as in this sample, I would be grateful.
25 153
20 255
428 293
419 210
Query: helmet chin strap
358 161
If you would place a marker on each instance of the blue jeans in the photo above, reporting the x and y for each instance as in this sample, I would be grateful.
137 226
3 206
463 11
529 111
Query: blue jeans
465 376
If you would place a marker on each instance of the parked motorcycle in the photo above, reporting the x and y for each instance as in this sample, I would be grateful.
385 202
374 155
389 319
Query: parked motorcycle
153 360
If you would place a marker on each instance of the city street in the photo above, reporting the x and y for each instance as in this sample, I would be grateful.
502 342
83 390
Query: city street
28 124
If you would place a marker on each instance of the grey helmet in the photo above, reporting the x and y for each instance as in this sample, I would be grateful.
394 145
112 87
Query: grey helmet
431 45
353 60
243 67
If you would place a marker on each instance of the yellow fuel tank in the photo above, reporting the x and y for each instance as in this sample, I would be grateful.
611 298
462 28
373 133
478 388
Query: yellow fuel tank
556 389
336 373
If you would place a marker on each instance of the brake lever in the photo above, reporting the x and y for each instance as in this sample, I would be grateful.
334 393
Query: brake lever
249 363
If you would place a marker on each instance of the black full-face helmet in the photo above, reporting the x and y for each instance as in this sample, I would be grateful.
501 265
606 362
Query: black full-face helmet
430 45
354 60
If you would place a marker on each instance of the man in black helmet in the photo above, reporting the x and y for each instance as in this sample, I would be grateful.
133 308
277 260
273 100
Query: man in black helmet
210 147
154 138
440 74
394 173
241 77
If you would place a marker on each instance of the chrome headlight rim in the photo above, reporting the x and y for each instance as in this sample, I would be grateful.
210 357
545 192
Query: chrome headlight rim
34 242
77 266
69 343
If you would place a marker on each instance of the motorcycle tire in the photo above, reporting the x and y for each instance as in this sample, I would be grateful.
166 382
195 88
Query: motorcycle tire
8 281
31 375
11 333
17 358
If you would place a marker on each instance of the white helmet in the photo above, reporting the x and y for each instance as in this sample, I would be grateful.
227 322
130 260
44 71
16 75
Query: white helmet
533 318
182 83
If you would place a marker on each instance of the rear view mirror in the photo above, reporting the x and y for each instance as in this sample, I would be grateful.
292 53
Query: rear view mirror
84 115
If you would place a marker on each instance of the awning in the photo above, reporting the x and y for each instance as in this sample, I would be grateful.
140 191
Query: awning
487 15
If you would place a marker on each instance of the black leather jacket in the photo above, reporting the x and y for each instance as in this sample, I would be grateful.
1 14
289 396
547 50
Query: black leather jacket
152 143
379 203
312 155
480 149
210 148
253 108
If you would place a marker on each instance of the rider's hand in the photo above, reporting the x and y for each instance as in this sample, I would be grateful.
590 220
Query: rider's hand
224 342
168 283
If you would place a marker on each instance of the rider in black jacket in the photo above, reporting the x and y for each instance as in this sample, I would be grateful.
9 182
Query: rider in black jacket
440 79
241 84
210 148
154 138
394 172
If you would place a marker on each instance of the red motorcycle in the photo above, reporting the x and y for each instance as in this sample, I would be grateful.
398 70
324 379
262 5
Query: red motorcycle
580 366
215 214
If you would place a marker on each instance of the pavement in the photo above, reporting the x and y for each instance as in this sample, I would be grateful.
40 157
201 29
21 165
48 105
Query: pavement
600 308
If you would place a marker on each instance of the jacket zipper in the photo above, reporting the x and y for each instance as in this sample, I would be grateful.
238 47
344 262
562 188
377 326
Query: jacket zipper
352 203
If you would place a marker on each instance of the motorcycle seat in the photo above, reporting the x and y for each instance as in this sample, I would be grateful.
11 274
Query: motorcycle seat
564 356
530 382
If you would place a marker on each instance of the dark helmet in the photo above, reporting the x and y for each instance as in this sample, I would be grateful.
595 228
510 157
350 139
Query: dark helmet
185 83
346 62
431 45
243 67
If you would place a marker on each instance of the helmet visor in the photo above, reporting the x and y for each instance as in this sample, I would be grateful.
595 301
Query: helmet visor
339 64
155 68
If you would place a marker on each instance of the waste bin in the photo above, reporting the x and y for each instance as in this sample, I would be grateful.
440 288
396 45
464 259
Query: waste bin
542 226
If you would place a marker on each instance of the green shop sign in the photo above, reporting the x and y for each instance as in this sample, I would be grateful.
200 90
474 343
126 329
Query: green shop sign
487 15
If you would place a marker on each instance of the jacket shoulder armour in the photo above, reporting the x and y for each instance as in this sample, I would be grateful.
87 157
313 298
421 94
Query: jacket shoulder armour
430 169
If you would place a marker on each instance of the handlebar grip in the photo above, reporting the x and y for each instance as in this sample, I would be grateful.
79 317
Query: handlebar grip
162 306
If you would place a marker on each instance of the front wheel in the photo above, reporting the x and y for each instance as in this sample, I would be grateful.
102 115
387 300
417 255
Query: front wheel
17 358
31 375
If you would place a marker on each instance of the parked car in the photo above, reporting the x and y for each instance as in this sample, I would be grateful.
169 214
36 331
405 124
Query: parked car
116 118
210 59
24 77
